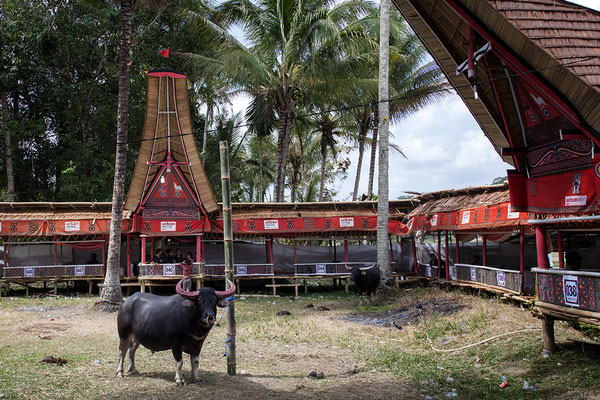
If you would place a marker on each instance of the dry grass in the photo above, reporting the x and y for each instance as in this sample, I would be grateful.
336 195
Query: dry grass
276 353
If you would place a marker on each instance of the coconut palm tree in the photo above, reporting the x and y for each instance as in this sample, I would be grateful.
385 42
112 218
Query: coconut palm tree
287 39
327 126
414 82
111 296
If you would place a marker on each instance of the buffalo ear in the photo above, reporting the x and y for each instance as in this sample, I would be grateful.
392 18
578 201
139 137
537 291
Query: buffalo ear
222 303
187 303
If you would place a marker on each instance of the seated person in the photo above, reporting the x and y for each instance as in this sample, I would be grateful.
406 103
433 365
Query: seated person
572 260
159 258
178 255
170 258
186 268
93 259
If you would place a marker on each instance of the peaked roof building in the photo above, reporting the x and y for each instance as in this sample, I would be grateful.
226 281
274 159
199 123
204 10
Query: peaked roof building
169 181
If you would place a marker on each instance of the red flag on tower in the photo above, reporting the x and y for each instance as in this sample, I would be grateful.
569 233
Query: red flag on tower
164 53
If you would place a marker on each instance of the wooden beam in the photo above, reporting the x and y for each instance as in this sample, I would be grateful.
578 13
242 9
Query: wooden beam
513 152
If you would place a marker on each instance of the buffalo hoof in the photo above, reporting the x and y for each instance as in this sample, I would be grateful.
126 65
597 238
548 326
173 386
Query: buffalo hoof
180 384
132 372
197 381
120 374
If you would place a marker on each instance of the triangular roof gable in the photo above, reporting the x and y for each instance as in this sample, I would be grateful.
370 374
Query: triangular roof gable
168 144
525 35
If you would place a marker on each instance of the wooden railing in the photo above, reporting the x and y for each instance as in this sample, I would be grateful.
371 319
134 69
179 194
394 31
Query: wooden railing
429 271
167 269
240 270
579 289
53 271
507 279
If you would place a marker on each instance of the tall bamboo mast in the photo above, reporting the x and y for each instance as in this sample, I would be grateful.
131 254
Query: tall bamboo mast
228 249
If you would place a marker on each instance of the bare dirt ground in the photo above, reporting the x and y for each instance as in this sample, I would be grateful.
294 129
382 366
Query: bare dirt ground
360 356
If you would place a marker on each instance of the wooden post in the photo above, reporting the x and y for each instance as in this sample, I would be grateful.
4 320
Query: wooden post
143 252
541 246
522 259
447 259
439 253
561 256
484 242
128 255
228 249
55 254
548 335
414 249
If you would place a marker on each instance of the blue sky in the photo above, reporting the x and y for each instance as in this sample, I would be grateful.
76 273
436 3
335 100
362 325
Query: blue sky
445 148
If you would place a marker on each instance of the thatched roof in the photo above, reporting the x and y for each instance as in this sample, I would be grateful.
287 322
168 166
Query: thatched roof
161 132
12 211
526 35
398 209
460 199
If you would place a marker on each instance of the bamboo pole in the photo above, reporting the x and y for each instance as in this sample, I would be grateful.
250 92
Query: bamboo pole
228 249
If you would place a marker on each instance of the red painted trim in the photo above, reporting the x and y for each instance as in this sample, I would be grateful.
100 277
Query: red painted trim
143 250
169 74
182 178
499 105
508 58
189 165
541 246
156 179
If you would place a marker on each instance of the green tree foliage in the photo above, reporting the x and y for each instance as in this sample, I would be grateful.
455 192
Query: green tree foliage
59 67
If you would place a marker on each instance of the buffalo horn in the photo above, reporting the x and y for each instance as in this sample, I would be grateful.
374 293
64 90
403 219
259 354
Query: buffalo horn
367 268
347 267
226 293
184 293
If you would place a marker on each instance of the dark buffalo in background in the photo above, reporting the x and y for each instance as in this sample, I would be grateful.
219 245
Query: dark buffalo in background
366 280
179 323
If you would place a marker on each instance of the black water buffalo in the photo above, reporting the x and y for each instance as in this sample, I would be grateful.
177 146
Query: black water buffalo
179 323
366 279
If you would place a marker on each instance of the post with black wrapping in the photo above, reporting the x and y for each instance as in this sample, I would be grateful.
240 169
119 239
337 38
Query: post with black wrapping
228 248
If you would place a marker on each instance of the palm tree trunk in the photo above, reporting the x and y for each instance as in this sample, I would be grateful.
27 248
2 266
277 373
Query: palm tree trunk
260 171
283 144
112 297
383 252
207 125
323 162
294 185
10 176
364 127
373 149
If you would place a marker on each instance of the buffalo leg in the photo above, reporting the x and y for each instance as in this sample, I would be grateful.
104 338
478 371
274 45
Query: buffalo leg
132 349
179 366
123 346
361 299
195 360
